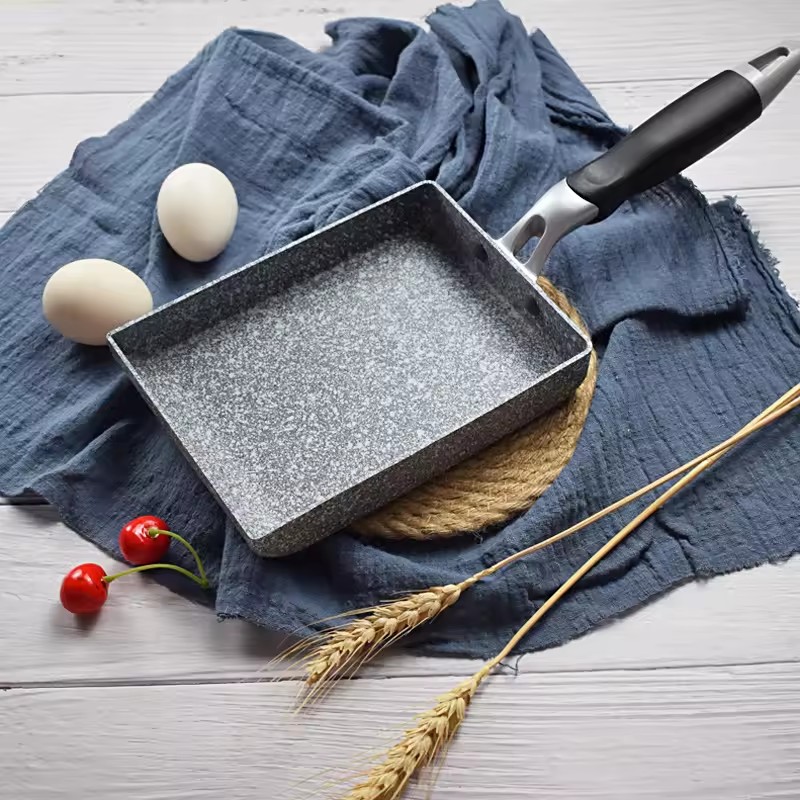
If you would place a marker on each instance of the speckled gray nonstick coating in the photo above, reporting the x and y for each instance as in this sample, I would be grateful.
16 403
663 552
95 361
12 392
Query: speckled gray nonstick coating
318 383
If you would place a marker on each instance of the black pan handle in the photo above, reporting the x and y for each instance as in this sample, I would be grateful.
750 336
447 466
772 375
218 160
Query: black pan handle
675 138
667 143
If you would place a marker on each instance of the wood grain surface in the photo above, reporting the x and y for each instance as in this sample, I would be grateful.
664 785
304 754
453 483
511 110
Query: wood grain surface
713 733
694 696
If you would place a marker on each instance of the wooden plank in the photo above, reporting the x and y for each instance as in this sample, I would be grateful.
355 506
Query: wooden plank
145 633
41 132
712 734
79 46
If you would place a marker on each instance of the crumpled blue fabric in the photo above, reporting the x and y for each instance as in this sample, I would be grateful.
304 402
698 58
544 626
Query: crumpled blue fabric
695 332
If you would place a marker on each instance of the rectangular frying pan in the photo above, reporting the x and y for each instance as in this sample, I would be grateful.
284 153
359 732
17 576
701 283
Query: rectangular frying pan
316 384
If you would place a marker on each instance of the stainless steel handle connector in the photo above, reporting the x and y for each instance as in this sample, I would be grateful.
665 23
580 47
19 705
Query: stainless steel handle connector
555 214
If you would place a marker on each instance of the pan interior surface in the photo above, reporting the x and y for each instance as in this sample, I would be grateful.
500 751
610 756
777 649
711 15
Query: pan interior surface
328 364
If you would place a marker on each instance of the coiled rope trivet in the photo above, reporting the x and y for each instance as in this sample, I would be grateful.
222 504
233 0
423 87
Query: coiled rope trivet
505 479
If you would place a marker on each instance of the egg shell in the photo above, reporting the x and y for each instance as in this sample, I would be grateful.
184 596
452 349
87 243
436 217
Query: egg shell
85 299
197 211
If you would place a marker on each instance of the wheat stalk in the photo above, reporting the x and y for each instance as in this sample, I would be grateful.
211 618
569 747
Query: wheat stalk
421 744
341 651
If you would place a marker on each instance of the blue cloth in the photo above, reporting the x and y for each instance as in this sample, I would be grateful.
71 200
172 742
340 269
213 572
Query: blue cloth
695 331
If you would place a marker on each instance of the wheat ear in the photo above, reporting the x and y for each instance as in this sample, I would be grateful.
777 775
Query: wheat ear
420 743
341 651
352 644
434 729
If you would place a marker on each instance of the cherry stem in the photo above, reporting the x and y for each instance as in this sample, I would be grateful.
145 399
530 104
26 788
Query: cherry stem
153 532
200 581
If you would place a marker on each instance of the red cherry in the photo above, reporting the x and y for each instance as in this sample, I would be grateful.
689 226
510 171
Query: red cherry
83 590
136 543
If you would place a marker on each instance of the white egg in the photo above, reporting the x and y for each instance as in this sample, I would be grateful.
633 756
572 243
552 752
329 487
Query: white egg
197 211
85 299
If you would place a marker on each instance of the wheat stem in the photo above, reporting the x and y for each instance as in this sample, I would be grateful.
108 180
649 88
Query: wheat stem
764 418
436 728
343 650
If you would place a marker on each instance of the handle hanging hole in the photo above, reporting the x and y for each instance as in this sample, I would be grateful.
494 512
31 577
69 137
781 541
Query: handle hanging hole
532 229
766 59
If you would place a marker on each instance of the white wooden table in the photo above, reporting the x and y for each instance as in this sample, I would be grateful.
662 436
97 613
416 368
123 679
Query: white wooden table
697 695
